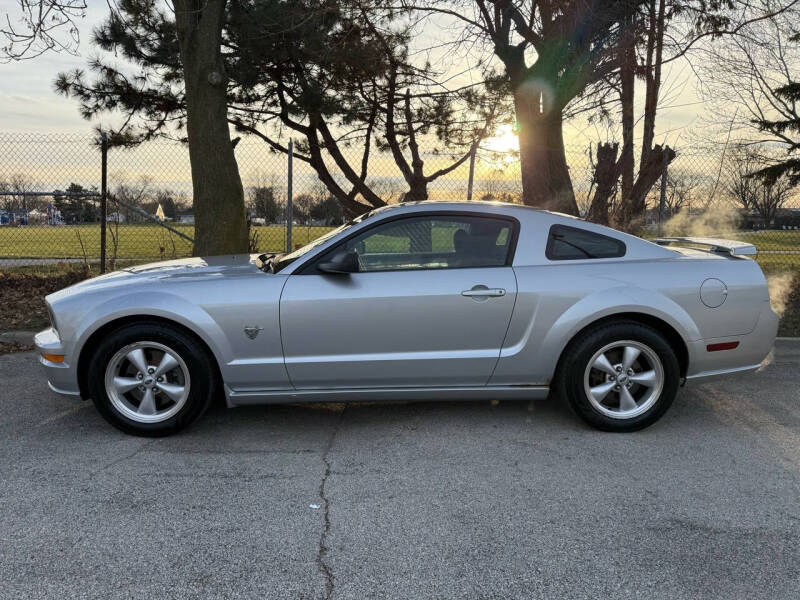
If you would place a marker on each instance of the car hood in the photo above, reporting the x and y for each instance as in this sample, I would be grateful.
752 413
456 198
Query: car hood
198 266
212 267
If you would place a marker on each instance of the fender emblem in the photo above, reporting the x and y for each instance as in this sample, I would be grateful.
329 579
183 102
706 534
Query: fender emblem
251 331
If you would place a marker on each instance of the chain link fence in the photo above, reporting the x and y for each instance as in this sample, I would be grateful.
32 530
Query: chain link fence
51 214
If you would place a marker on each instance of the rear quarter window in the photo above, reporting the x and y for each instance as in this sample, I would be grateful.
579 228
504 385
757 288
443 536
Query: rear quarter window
573 243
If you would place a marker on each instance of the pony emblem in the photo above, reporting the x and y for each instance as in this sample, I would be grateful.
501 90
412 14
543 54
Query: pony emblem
251 331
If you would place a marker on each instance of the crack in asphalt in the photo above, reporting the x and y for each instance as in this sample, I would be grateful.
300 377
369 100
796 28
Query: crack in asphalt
322 548
63 414
122 459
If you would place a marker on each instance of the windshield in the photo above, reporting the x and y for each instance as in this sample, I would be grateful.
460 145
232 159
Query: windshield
282 261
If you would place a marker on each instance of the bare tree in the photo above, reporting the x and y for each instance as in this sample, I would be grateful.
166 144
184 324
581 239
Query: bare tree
659 33
41 26
751 194
751 81
680 191
19 201
125 194
492 187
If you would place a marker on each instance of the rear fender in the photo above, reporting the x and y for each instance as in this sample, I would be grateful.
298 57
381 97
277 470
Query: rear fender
607 303
533 359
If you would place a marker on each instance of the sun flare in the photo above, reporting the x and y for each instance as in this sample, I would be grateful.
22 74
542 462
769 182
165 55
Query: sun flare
504 140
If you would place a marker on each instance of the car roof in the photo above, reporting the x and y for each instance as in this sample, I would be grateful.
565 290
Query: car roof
535 220
468 205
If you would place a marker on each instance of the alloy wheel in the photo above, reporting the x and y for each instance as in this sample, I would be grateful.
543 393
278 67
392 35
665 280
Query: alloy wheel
147 382
624 379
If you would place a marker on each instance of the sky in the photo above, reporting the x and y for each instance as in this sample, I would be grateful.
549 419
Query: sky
30 105
28 102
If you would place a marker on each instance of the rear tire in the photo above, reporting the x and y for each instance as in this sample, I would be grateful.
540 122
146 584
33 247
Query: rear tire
621 376
151 379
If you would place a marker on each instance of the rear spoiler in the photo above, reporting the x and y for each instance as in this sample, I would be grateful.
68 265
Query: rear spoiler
732 247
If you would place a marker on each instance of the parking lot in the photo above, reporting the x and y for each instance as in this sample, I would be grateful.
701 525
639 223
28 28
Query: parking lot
424 500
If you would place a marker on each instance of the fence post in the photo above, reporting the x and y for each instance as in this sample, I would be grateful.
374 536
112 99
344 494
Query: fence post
663 196
103 199
471 172
289 216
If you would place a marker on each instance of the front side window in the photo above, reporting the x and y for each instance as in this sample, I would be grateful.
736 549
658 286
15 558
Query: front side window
571 243
433 242
284 260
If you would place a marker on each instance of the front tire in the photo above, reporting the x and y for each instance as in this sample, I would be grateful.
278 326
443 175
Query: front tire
621 376
151 379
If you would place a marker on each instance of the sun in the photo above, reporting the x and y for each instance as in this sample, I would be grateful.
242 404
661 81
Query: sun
503 141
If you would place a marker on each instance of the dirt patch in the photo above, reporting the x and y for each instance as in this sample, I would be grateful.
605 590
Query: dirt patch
22 295
12 347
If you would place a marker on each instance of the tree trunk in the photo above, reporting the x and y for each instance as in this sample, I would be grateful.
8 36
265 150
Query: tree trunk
546 181
220 222
606 174
650 172
417 190
627 73
655 49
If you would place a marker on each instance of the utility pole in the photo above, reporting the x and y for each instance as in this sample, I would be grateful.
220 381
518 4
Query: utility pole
103 198
289 216
471 172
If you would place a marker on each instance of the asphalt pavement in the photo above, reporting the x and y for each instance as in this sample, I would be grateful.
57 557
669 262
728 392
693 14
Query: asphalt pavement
423 500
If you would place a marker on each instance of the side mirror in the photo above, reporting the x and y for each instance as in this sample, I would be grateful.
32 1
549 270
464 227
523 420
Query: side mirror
340 263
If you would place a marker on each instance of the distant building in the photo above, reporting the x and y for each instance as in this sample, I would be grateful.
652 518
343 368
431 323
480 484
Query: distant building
186 218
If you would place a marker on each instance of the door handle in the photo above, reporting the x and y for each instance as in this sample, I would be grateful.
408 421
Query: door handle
483 291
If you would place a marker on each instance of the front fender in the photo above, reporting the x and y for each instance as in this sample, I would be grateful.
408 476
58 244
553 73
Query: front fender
152 303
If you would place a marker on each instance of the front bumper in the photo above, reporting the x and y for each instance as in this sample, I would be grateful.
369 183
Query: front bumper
61 377
749 355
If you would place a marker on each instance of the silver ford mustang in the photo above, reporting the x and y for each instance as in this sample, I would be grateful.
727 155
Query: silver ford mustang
417 301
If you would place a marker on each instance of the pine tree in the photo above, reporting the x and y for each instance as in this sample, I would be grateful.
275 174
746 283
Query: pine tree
787 130
334 74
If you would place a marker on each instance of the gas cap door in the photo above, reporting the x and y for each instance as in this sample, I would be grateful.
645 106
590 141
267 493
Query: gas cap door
713 292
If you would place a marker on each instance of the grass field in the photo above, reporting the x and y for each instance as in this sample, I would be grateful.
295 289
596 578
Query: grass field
134 241
152 242
771 240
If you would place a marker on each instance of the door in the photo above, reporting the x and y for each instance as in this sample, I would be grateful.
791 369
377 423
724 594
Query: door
429 306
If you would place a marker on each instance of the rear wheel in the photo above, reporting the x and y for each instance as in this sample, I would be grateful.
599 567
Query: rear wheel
620 376
151 379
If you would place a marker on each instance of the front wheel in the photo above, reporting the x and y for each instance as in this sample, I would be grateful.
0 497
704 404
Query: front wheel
620 376
151 379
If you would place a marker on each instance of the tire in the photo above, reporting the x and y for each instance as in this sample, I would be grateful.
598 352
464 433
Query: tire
151 379
590 376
